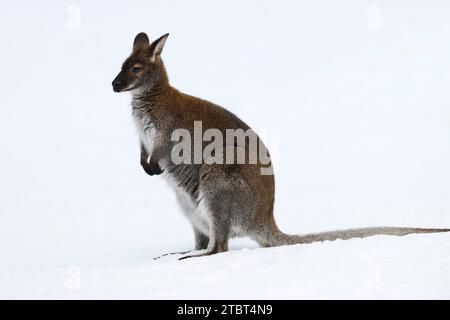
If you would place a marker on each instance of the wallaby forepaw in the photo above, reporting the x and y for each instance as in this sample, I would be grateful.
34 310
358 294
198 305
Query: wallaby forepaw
152 170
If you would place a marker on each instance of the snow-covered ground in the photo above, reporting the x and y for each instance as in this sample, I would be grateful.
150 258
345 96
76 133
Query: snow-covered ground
353 96
413 267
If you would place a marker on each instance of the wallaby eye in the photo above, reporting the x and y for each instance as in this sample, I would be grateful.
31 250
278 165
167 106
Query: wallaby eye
136 69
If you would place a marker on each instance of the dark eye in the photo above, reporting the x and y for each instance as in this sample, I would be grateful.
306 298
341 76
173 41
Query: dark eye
136 69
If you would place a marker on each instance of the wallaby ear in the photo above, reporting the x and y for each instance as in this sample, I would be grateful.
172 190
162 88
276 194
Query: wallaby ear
157 46
140 41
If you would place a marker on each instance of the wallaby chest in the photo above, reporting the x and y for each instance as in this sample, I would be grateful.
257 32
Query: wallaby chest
145 127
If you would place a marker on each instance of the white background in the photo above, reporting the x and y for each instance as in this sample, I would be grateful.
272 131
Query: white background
355 94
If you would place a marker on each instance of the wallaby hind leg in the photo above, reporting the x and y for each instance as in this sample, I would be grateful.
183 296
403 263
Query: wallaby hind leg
201 240
217 210
218 241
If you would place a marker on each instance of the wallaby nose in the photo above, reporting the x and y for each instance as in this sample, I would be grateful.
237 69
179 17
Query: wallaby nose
116 85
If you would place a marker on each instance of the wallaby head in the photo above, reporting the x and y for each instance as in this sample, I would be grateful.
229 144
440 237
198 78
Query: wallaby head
143 69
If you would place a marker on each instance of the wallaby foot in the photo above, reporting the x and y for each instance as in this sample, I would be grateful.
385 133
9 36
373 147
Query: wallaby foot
201 243
206 252
203 254
213 248
170 254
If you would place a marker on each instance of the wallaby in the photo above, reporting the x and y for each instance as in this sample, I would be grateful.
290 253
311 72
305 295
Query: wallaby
220 200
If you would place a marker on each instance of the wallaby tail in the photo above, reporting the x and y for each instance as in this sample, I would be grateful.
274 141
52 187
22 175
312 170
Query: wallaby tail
278 238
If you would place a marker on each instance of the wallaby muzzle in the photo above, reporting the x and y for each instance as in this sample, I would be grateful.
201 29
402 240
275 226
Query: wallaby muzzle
119 84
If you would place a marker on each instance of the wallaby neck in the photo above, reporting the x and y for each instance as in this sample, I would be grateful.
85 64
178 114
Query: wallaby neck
147 104
155 88
150 94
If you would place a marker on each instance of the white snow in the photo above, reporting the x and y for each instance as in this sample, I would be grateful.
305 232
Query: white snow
390 268
355 96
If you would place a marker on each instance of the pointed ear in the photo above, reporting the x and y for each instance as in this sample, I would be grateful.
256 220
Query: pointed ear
157 46
140 41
